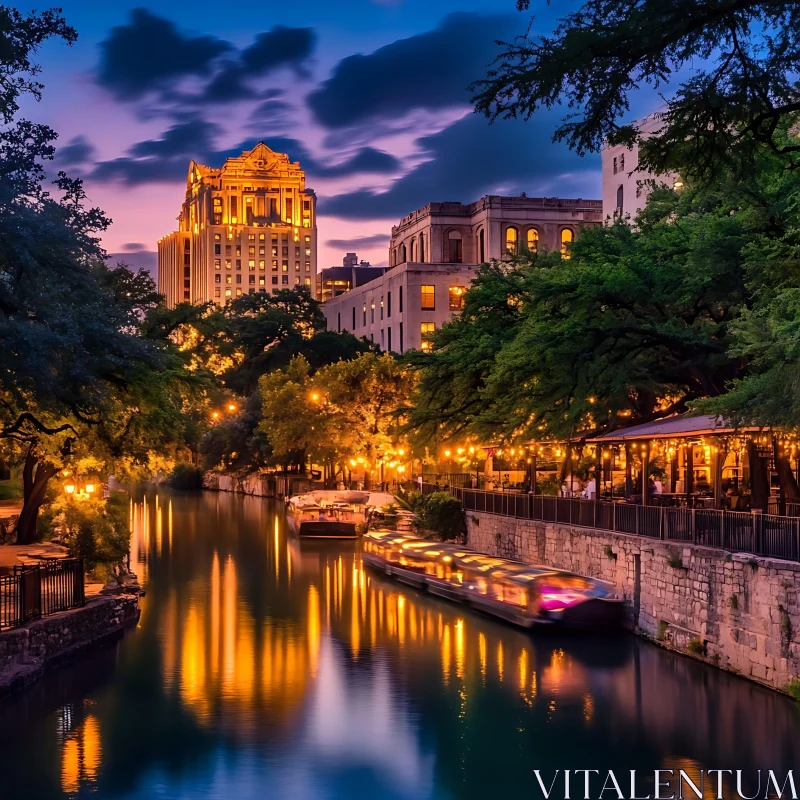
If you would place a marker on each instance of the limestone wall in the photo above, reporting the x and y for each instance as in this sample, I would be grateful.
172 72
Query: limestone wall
739 612
258 485
26 652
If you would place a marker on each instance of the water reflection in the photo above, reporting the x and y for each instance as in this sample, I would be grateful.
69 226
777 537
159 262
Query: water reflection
260 661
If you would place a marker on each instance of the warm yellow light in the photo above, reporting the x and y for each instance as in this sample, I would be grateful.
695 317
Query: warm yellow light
678 184
65 473
353 462
401 452
606 454
89 488
460 450
215 415
401 468
360 460
231 407
69 488
447 454
471 450
315 397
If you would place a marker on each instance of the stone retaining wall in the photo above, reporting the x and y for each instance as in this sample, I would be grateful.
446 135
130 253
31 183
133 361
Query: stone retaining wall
25 653
738 612
257 485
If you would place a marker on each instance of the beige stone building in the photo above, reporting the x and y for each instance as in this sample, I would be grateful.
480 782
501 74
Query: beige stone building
249 226
625 186
433 255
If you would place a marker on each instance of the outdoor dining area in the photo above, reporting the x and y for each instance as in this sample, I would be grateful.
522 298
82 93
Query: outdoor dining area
680 461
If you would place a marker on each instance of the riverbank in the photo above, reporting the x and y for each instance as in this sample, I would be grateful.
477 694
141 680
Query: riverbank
27 653
738 612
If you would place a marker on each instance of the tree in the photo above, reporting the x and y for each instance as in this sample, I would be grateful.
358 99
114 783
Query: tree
743 55
635 325
344 410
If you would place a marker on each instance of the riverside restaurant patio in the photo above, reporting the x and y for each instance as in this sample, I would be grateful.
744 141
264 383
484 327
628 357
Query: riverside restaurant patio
690 479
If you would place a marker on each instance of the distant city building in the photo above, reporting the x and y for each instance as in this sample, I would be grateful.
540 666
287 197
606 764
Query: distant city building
249 226
625 187
334 281
433 255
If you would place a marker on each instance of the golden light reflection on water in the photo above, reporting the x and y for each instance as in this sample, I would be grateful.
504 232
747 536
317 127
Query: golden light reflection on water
81 755
236 663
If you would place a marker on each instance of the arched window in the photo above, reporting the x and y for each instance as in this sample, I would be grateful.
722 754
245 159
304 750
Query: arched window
533 240
422 248
455 248
567 237
620 197
392 257
512 240
413 248
403 253
481 246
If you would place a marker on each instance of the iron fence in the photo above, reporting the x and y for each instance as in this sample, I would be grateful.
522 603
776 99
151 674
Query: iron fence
768 535
40 590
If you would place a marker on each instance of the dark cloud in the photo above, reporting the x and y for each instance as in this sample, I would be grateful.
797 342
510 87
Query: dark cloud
365 160
431 70
164 160
359 241
77 151
150 51
132 247
277 48
472 158
270 110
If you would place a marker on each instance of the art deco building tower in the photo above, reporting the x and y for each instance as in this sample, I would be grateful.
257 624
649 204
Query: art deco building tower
248 227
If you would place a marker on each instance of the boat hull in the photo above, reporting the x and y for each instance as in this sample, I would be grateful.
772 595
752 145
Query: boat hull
325 529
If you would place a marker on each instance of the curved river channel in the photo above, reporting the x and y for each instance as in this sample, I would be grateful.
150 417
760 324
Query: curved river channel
267 668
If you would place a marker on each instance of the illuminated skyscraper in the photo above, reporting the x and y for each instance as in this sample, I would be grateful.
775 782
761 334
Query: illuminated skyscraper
249 226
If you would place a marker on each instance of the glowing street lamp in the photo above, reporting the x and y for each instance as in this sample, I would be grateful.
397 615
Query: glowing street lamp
231 407
69 488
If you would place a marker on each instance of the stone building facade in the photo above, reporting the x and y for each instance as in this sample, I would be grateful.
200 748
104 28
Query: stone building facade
433 256
249 226
625 186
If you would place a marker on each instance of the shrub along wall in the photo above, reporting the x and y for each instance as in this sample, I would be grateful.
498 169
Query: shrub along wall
738 612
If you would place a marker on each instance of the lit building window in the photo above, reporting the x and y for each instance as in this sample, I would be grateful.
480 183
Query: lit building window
238 292
456 295
308 266
308 281
426 329
227 263
217 263
567 238
512 240
297 265
275 264
427 298
251 264
285 266
227 293
533 240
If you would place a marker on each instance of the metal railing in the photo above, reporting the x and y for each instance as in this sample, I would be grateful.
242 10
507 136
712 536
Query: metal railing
40 590
736 531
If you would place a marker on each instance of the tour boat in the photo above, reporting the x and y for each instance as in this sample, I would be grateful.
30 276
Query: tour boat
328 514
518 593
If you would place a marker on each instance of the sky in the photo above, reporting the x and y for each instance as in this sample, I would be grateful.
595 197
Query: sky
369 95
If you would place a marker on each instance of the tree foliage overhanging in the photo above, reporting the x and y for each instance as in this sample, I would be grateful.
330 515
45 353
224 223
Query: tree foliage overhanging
742 56
694 307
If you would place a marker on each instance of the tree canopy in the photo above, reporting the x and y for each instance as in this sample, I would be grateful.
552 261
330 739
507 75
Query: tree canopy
741 55
694 303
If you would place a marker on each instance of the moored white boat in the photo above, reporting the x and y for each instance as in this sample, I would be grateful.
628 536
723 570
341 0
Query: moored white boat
329 514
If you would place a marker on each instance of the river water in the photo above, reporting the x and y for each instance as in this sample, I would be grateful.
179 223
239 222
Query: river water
267 668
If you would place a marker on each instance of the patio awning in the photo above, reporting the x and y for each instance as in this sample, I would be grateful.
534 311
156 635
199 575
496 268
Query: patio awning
675 427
